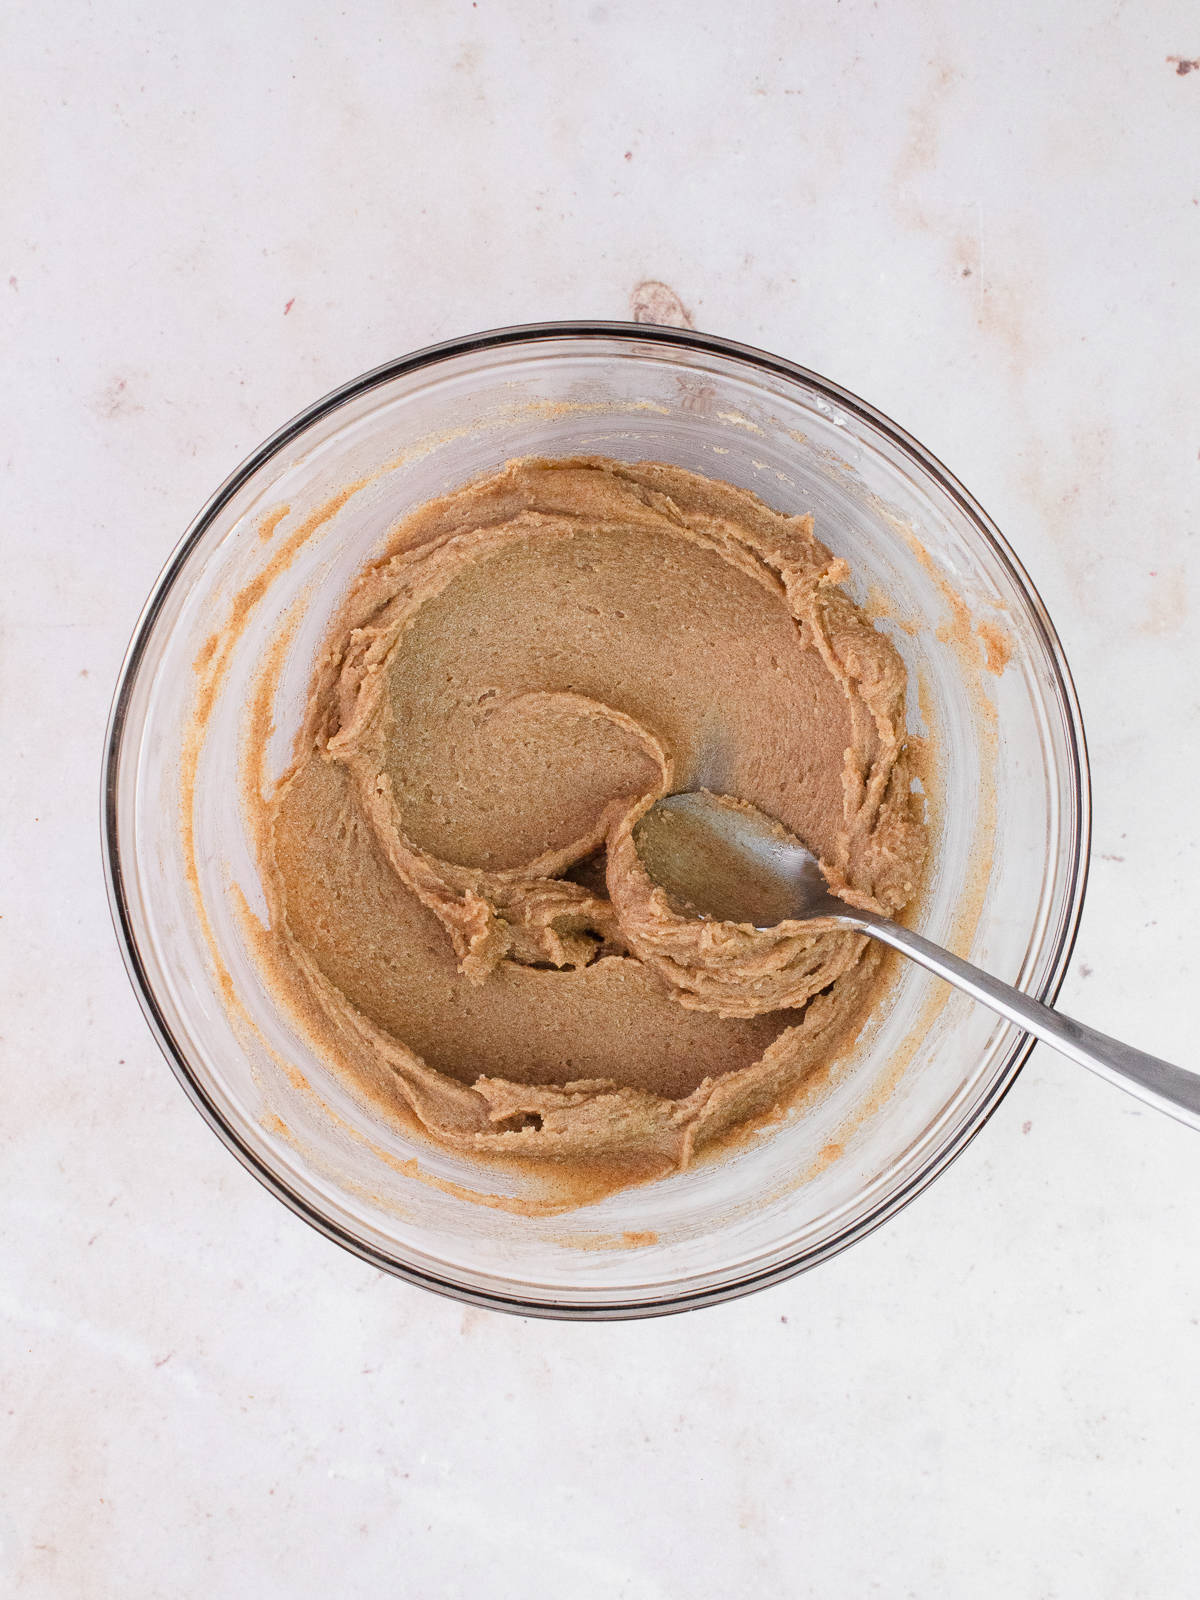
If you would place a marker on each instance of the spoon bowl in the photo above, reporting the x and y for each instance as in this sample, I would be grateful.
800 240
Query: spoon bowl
724 861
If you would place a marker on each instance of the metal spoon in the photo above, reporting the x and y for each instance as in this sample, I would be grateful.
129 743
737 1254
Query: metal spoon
739 865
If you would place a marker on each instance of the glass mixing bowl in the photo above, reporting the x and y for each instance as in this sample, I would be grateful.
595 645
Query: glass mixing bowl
989 688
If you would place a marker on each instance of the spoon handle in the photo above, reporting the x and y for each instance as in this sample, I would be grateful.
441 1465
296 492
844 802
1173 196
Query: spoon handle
1171 1089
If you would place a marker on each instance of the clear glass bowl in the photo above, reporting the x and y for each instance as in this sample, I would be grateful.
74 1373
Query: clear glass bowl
1009 810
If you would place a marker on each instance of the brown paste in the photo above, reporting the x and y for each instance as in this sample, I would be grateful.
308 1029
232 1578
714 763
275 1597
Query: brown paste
448 861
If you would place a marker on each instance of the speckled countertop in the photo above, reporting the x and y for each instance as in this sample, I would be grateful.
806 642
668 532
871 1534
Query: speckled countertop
985 219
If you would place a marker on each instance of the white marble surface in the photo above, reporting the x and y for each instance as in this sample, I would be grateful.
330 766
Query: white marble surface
986 219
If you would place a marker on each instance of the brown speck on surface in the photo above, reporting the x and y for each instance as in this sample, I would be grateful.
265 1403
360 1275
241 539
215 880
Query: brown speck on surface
658 303
1025 1127
1183 64
966 253
1105 857
997 646
1168 601
116 401
268 525
162 1361
783 1319
1084 970
629 155
206 652
921 147
289 305
12 282
83 672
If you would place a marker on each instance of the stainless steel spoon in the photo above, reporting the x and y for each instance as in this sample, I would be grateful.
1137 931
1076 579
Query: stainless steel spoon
738 865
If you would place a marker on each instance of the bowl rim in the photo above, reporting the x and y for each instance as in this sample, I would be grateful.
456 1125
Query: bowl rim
533 334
